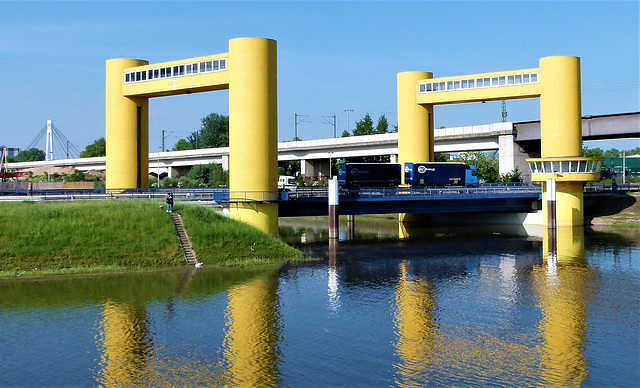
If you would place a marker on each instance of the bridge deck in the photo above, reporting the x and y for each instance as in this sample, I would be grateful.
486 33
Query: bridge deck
314 201
414 200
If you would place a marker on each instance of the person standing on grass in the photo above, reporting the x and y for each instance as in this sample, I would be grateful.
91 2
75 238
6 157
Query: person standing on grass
169 200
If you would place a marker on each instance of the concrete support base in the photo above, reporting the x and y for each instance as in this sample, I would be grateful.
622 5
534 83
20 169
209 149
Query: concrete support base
263 216
569 204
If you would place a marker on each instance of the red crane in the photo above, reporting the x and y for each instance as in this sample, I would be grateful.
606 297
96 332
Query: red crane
4 171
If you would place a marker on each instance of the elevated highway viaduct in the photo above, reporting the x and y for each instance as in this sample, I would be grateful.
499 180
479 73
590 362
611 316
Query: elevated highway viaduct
514 142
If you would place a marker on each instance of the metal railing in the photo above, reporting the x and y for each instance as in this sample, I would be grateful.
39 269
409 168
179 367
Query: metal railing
449 191
611 187
214 194
222 195
415 192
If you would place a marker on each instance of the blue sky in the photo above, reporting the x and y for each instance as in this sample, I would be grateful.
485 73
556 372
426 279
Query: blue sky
332 56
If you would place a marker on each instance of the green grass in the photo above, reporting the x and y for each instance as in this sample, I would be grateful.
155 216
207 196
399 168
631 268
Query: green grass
107 236
219 240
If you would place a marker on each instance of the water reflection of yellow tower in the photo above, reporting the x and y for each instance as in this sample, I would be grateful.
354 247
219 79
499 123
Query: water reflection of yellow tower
126 344
563 284
415 325
253 333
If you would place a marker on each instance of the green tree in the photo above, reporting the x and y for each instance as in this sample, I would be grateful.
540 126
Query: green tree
612 153
290 167
217 176
97 148
77 176
200 173
592 153
512 176
383 125
487 165
213 133
30 155
635 151
364 126
182 145
208 175
345 133
439 157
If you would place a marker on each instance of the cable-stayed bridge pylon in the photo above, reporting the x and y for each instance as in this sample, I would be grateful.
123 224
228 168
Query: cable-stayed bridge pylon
56 143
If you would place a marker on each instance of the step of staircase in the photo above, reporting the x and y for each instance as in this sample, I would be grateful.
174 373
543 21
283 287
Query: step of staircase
185 243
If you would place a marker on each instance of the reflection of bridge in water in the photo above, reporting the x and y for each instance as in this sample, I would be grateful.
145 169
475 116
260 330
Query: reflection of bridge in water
252 334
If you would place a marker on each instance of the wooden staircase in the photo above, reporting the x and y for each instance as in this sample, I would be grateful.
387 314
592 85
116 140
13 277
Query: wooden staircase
185 243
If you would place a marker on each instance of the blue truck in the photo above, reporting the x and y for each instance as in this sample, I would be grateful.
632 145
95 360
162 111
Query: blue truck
440 174
355 175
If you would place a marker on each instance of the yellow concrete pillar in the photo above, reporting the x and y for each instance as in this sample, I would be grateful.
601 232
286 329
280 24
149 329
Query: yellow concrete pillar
561 129
253 333
415 132
253 132
560 107
570 204
127 130
415 122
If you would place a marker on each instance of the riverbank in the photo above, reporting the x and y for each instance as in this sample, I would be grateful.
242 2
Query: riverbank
622 210
54 238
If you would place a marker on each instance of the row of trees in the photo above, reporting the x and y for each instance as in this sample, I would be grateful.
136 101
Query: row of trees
200 175
365 127
213 133
611 153
30 155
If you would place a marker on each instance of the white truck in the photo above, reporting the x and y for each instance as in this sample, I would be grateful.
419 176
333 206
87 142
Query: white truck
287 183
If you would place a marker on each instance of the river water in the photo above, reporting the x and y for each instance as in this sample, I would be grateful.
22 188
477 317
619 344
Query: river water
447 307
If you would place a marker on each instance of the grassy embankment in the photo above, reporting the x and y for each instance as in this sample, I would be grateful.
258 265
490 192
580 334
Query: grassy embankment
617 210
105 236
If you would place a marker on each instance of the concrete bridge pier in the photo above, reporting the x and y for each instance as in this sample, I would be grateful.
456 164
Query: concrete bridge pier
511 156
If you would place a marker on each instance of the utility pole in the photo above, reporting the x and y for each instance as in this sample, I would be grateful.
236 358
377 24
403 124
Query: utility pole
167 135
296 117
326 118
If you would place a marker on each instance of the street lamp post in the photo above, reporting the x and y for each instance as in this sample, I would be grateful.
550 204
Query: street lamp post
158 184
348 110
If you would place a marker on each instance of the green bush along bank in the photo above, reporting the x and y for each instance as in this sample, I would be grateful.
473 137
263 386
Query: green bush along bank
104 236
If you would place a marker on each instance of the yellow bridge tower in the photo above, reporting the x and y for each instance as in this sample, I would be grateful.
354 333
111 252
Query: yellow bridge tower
556 82
249 72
